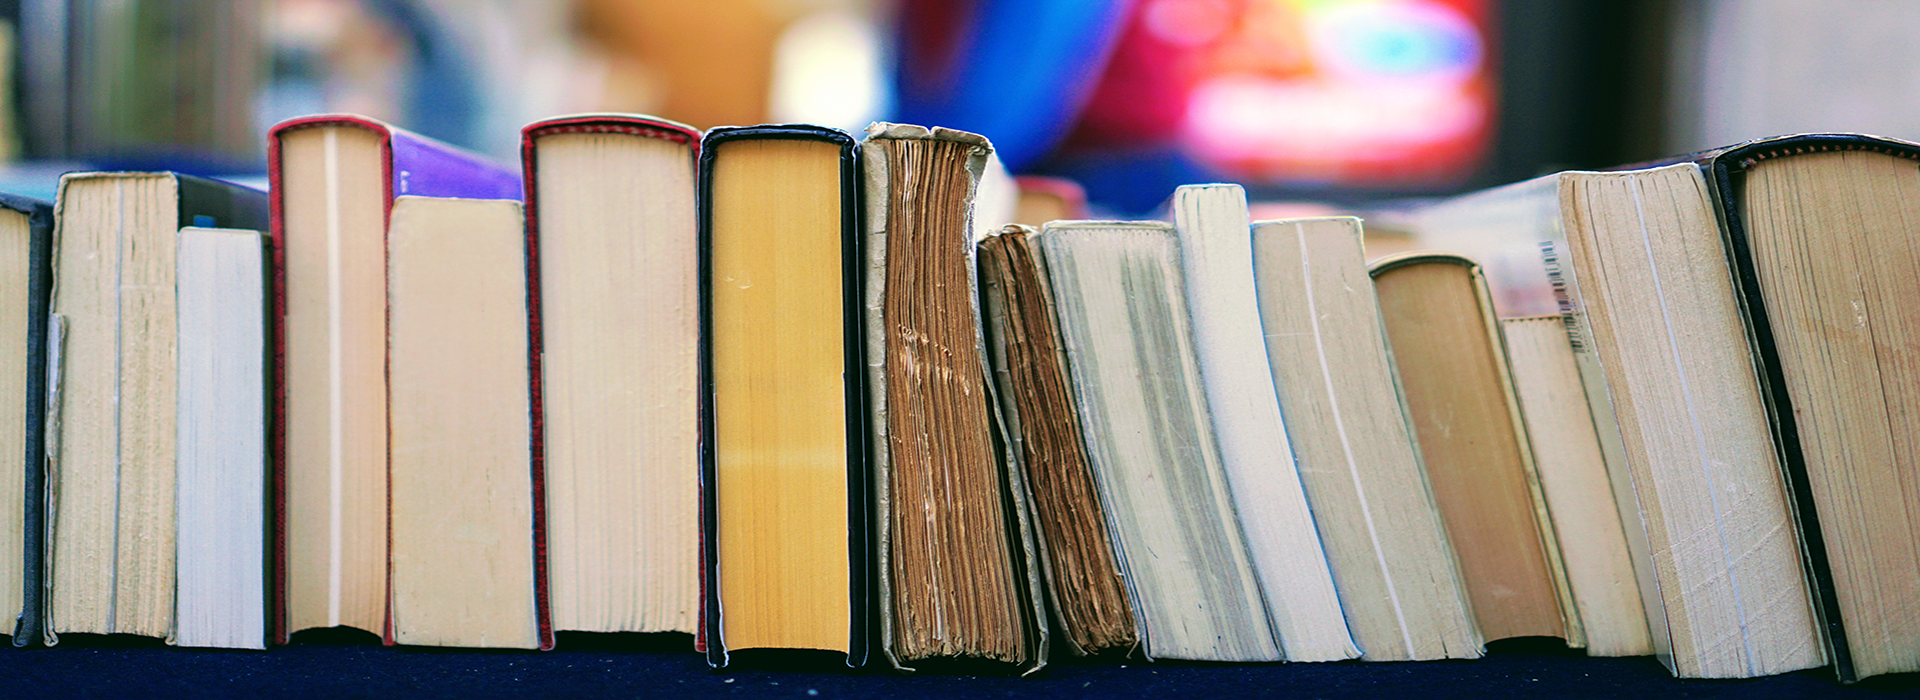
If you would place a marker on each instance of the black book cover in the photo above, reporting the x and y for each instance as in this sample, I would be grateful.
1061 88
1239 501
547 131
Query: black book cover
26 628
859 547
1725 170
218 204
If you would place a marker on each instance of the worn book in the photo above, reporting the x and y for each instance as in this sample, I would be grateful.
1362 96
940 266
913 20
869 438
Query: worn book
334 179
1085 582
113 457
1399 587
611 231
957 573
784 486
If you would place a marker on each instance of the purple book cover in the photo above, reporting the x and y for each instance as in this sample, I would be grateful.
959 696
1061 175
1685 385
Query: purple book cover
411 164
425 167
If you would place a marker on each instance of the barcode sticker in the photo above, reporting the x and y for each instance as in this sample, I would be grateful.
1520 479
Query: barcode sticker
1562 297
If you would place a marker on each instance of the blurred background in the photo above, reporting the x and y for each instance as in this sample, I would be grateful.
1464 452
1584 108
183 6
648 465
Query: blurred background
1333 101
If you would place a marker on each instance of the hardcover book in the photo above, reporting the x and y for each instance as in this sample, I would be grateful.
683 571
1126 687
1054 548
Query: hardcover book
783 476
612 286
26 287
463 467
1451 362
333 182
1820 230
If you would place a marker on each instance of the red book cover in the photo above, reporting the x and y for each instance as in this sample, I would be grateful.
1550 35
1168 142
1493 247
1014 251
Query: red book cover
529 141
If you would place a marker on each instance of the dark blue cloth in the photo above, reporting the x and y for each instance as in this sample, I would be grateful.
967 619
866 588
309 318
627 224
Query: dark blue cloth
625 666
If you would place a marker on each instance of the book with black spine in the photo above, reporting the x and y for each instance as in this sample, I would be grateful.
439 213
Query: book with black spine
783 395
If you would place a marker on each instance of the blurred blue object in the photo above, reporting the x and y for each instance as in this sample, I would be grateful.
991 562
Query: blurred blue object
1015 71
446 97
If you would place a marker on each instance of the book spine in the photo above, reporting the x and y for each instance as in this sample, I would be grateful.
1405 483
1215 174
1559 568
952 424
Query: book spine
27 629
537 468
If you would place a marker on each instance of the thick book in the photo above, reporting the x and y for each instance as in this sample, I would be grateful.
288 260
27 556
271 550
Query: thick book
612 288
1399 586
1451 362
1085 581
783 472
221 561
1216 257
1143 410
333 182
463 469
26 246
113 452
1820 232
1634 262
957 572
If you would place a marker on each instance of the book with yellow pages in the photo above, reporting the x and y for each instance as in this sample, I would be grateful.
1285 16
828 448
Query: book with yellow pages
1451 362
783 394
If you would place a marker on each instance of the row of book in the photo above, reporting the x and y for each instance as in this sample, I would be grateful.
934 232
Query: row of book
785 389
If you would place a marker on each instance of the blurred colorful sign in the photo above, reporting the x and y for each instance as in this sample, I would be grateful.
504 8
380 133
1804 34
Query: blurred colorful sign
1383 93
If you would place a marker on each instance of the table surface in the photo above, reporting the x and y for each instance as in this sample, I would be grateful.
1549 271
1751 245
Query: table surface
326 664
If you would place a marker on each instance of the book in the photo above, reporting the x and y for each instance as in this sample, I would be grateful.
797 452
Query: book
1399 586
333 181
220 598
1216 256
26 247
463 431
1676 399
1451 362
1122 311
612 230
784 485
1579 492
1819 233
954 544
1085 583
112 462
